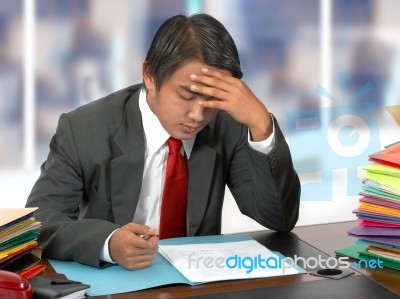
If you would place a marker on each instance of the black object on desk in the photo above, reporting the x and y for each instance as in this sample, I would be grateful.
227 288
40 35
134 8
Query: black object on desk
49 287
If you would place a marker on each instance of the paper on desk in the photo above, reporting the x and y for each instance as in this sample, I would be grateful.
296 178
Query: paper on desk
226 261
115 279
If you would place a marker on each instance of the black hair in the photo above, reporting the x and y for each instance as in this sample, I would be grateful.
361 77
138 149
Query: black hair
197 37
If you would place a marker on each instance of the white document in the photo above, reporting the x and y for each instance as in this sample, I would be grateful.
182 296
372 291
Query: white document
226 261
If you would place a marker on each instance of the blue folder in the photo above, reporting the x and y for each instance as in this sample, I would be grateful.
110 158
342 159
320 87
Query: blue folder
115 279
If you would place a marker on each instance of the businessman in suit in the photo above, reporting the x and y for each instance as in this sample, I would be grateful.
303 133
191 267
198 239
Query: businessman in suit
100 190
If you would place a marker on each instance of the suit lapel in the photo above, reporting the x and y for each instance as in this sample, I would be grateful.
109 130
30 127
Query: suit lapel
201 168
127 163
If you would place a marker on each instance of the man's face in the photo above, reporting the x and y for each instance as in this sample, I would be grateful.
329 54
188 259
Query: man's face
176 106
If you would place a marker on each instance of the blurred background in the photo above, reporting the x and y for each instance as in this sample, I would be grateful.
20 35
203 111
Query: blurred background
325 68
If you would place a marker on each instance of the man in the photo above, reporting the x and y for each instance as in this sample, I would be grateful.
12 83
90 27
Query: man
100 192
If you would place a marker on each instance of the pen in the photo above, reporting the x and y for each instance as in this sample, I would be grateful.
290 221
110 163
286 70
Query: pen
144 237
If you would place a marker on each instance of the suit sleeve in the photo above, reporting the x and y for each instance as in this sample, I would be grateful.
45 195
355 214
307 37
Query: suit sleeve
58 194
266 186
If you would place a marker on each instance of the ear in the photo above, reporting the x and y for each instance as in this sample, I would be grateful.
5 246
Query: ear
147 78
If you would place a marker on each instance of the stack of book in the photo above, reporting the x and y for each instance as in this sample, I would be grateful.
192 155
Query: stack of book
379 205
19 250
378 230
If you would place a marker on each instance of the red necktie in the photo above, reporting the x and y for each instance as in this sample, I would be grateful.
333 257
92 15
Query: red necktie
174 199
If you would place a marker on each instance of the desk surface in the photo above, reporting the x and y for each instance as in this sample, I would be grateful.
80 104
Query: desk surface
316 239
316 235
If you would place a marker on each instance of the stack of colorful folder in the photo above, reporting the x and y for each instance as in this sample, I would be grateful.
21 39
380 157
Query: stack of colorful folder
19 250
378 231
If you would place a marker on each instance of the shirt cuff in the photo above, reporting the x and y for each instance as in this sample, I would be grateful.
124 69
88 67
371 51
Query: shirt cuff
104 254
265 146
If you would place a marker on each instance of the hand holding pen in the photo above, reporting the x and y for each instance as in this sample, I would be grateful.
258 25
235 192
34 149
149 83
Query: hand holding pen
134 246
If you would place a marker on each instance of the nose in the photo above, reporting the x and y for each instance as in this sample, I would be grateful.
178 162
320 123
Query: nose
196 112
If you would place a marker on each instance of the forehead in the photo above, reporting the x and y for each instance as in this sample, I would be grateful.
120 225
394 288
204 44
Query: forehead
181 76
188 68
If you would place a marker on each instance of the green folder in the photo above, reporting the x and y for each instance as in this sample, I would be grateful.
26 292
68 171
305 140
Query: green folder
385 180
358 251
23 238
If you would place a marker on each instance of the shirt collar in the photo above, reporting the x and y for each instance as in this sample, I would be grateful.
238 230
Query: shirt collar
156 136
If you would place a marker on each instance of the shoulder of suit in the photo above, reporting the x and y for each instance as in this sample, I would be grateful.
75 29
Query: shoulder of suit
112 102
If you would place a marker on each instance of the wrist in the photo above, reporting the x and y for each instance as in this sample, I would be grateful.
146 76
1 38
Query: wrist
261 129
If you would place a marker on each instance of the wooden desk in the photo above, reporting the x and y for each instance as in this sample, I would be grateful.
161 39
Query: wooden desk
325 238
316 235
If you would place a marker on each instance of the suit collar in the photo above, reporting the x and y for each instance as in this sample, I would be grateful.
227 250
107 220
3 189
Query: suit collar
127 163
130 136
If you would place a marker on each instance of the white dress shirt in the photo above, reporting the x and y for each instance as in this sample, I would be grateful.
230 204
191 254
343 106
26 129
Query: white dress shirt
156 153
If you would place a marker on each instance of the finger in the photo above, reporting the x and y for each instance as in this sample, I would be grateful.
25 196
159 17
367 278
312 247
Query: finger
151 243
221 75
132 233
204 80
138 262
216 93
140 258
140 229
144 251
213 104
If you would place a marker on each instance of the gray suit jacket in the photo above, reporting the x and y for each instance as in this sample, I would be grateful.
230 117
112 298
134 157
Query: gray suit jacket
91 180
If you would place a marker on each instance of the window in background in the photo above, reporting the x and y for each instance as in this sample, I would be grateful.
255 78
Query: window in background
85 49
11 85
276 42
364 48
331 144
88 49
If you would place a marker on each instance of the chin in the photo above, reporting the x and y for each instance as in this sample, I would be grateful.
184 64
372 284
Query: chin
184 135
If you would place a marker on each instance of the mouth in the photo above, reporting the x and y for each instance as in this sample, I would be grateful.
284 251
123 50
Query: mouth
189 128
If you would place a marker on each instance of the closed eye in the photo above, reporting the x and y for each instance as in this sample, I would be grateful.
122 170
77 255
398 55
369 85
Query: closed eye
186 94
187 98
